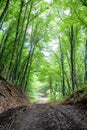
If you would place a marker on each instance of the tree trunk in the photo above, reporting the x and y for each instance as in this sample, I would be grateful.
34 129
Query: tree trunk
68 82
62 65
29 69
15 42
18 52
72 46
5 10
85 77
18 60
50 86
26 67
3 49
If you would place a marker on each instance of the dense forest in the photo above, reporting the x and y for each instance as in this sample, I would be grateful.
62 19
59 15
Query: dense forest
43 45
43 64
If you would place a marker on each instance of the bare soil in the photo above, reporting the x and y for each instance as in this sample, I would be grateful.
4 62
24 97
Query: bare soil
44 117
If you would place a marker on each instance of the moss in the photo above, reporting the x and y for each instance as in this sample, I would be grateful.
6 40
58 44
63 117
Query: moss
78 96
34 100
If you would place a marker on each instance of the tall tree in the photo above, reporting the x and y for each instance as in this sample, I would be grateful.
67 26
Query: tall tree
85 77
4 10
72 47
62 65
15 41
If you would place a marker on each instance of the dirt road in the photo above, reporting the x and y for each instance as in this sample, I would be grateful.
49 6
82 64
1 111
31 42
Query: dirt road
44 117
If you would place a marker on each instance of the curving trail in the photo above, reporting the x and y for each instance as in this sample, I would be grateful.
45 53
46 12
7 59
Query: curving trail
44 117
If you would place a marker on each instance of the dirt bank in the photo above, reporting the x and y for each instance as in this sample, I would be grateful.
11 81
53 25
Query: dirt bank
10 96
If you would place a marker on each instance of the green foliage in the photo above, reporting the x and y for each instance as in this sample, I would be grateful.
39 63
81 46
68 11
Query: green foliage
31 33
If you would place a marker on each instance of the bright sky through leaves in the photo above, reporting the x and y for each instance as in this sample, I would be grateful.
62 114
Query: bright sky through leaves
48 1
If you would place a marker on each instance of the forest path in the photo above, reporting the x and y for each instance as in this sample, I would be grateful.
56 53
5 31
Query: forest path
52 116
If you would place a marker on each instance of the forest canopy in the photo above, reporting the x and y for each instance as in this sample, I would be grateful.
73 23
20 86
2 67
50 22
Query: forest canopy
43 45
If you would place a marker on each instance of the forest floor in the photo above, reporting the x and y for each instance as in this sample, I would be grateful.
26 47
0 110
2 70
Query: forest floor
18 114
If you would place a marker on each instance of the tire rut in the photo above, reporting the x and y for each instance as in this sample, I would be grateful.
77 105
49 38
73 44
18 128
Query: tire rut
64 121
75 116
47 117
